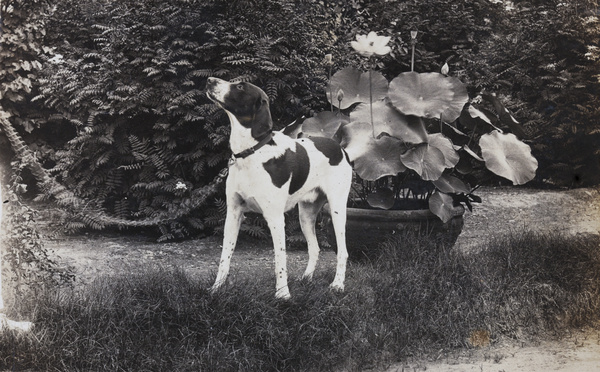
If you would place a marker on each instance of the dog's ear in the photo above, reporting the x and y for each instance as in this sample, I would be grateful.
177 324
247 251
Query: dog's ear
260 102
262 117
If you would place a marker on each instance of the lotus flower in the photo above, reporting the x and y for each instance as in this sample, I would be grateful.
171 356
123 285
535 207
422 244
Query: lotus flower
370 44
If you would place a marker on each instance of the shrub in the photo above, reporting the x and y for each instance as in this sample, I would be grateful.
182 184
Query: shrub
120 117
129 80
26 264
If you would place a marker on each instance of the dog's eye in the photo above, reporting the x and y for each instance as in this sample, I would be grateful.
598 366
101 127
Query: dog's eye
240 86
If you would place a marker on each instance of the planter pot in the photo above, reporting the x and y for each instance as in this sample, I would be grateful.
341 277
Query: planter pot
366 229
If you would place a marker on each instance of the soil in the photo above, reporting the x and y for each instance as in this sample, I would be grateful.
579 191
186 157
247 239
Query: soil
504 210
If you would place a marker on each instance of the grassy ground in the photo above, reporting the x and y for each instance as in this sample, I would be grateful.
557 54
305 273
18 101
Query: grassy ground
417 296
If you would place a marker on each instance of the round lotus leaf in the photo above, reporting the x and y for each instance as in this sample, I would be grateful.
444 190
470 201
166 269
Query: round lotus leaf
387 119
355 87
428 161
373 157
428 95
443 144
382 198
442 205
324 124
505 155
451 185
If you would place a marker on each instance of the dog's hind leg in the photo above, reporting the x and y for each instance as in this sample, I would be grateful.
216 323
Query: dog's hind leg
233 221
276 222
308 218
338 218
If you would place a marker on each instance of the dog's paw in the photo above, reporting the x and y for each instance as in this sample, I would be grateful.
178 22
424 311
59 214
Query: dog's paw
215 287
336 287
306 277
283 294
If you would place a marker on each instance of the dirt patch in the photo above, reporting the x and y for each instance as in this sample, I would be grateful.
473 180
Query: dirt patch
504 210
579 352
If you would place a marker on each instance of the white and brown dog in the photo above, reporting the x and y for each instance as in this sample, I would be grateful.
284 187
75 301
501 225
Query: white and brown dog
271 172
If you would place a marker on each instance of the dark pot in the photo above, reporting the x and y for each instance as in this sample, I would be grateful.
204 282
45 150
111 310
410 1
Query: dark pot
366 229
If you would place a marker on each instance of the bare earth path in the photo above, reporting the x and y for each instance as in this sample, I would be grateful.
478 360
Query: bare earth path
503 210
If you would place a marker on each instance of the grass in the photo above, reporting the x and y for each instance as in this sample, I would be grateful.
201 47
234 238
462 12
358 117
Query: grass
417 296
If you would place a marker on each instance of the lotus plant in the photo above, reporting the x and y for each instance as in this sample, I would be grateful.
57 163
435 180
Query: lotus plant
419 136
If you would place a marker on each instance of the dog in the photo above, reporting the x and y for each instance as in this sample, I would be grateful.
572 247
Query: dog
270 173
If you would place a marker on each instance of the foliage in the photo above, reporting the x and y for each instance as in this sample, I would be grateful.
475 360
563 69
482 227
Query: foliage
120 117
21 32
128 85
418 296
422 128
537 56
22 27
26 263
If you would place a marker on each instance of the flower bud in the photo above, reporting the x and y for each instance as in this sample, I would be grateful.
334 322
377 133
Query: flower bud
340 95
445 69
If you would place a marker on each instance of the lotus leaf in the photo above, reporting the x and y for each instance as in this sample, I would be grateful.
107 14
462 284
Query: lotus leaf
451 185
387 119
428 161
443 144
381 198
505 116
508 157
429 95
373 158
442 205
476 119
324 124
355 85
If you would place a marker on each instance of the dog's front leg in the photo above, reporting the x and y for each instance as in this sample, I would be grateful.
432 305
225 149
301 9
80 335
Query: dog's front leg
276 222
233 221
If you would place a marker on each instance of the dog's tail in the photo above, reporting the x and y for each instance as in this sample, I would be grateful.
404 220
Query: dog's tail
294 129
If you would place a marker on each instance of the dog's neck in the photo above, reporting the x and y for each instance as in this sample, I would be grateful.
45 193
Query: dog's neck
241 138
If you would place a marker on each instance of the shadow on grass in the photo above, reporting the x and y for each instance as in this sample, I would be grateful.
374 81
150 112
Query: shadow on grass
415 296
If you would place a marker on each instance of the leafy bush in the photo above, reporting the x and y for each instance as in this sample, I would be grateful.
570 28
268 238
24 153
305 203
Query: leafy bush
120 118
26 263
128 77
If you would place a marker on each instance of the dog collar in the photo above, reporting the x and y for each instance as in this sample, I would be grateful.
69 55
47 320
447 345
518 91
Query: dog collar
253 149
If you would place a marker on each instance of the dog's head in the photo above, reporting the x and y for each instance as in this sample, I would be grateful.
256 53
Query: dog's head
246 102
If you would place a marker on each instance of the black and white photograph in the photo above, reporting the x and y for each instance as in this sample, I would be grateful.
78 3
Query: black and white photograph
300 185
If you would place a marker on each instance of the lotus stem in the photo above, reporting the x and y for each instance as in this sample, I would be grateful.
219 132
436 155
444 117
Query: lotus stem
371 102
330 90
413 41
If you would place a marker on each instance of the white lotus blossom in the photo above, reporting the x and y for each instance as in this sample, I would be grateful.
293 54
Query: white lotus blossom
368 45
